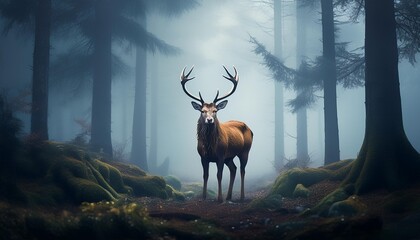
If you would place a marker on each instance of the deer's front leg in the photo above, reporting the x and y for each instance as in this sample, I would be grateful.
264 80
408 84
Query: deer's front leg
219 180
205 164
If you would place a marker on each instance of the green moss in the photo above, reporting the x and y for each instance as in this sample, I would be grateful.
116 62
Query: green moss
110 220
286 183
196 190
272 202
112 175
152 186
301 191
350 207
81 181
174 194
83 190
173 181
324 205
338 165
52 173
128 169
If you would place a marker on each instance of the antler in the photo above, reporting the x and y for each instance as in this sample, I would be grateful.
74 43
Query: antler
185 79
233 79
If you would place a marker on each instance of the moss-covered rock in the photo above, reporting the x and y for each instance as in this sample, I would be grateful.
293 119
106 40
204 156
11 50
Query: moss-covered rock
301 191
173 181
52 173
272 202
286 183
322 208
152 186
174 194
352 206
294 182
196 190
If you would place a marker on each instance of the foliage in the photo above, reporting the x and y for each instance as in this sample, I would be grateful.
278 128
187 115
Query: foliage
18 13
350 66
308 79
278 70
407 16
75 65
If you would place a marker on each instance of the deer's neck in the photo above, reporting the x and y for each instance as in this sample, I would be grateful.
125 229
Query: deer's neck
208 135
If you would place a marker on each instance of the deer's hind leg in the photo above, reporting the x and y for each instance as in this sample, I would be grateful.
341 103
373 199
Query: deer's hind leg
232 168
243 160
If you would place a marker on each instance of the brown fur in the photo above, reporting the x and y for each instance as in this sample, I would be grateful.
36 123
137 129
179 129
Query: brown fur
220 143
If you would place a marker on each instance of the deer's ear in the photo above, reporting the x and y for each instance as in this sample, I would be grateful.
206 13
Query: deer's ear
221 105
196 106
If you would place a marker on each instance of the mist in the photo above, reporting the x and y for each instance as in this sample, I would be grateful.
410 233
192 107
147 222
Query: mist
212 35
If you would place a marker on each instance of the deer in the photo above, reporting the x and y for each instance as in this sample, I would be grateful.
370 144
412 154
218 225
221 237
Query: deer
220 142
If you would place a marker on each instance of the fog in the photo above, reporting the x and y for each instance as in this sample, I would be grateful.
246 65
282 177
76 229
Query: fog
214 34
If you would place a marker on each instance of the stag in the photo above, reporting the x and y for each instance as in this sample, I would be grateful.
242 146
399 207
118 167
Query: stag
220 142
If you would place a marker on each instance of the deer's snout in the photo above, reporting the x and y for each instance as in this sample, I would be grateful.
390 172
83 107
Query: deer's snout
209 120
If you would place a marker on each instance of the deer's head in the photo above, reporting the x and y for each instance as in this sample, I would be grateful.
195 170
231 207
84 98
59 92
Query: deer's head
209 110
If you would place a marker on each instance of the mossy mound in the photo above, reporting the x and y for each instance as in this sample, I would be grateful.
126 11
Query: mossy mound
352 206
271 202
301 191
295 182
340 194
286 182
196 190
154 186
173 181
53 173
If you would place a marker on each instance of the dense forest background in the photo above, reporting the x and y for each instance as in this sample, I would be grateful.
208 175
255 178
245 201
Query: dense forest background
206 34
97 138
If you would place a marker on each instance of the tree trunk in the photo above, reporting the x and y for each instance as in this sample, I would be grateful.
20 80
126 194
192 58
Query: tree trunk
386 159
138 149
278 92
301 114
41 62
153 119
332 146
101 96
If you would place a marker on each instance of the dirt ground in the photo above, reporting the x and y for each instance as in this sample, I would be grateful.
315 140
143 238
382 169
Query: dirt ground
234 217
236 221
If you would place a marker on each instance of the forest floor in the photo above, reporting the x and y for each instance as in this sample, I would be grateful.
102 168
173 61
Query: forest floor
195 218
235 220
